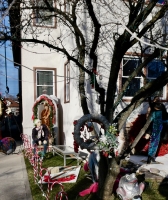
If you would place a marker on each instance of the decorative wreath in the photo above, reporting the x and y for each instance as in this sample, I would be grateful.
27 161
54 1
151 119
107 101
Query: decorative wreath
105 142
42 99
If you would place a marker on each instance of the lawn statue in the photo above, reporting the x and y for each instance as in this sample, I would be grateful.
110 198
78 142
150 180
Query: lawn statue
129 189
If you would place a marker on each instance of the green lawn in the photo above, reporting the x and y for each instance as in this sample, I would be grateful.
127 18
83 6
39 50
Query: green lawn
153 190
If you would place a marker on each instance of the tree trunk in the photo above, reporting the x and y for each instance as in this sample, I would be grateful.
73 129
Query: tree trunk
113 167
82 92
106 189
138 137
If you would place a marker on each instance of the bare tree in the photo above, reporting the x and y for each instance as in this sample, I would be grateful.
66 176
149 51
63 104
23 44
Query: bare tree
102 33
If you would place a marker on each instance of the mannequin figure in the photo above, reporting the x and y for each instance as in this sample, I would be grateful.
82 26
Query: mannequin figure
40 134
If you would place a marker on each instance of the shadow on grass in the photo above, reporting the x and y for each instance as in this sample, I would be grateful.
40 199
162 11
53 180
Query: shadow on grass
163 188
81 185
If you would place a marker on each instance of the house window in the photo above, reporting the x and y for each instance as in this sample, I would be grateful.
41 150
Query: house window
129 65
43 17
45 80
67 82
161 1
154 69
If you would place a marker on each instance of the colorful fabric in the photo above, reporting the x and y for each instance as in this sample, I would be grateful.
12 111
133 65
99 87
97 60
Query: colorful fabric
92 189
86 167
143 144
156 131
7 145
40 131
93 166
62 179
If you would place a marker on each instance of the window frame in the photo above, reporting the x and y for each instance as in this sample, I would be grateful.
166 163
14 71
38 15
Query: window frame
67 84
35 69
165 88
41 24
141 79
127 98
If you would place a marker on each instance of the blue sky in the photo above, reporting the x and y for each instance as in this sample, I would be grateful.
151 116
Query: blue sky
12 72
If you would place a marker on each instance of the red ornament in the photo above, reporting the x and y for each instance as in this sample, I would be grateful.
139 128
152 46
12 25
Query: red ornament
105 153
75 122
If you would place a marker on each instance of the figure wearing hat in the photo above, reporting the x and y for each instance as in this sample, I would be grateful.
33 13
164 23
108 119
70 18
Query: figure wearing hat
40 134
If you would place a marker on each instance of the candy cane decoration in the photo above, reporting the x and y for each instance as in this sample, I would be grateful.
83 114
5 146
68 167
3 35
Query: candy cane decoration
38 174
35 170
48 187
31 152
41 181
60 194
25 140
28 148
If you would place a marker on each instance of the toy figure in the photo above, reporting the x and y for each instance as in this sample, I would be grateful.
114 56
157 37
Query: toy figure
40 134
129 188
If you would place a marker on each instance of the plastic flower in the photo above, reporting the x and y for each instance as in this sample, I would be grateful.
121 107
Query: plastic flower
103 139
108 141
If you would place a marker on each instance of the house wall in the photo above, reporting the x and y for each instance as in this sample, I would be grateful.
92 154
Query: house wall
41 56
69 111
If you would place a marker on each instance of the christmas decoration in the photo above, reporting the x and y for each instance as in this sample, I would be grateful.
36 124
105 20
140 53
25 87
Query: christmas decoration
36 162
134 190
41 100
85 140
108 142
7 145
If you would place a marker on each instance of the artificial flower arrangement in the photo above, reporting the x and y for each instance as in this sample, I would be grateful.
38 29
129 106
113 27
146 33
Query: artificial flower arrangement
107 142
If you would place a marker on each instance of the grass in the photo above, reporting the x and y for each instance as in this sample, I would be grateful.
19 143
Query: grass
72 189
153 191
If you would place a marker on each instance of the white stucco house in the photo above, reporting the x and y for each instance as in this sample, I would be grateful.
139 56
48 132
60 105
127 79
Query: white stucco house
48 76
